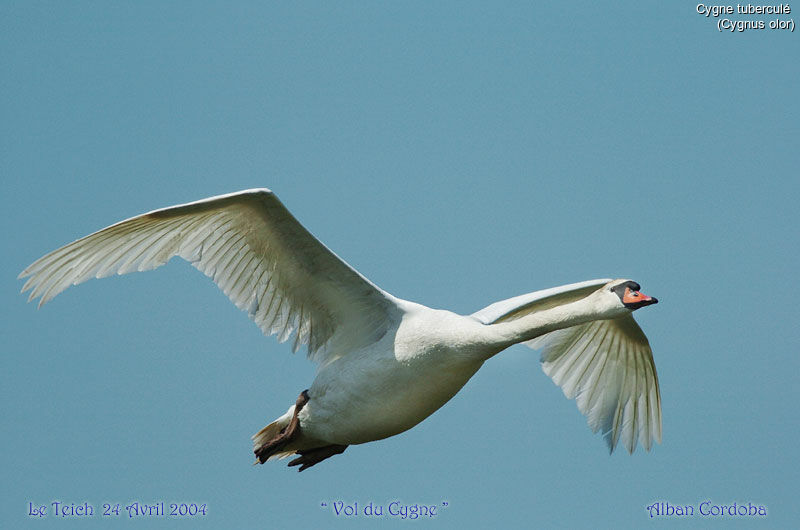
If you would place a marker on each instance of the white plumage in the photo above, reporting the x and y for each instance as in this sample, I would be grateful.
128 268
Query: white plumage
385 364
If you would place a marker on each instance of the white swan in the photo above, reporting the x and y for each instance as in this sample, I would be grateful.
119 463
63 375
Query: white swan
385 364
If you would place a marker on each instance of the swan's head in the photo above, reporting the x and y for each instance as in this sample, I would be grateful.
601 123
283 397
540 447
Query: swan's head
628 294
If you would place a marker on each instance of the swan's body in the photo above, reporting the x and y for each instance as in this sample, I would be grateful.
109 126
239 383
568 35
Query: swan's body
385 364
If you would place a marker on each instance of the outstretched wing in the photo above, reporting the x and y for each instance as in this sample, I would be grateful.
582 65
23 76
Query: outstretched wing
607 365
254 249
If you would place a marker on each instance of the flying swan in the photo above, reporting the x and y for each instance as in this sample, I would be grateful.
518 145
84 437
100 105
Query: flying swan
384 364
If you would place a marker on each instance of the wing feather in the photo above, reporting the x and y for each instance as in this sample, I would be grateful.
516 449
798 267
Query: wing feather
607 365
261 257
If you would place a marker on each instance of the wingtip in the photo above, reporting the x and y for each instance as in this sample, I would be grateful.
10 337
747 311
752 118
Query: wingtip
31 296
612 445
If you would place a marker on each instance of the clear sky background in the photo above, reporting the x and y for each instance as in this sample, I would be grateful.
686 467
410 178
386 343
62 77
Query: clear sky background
456 154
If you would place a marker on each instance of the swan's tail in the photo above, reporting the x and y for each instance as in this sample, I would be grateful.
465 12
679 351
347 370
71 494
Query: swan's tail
268 435
283 437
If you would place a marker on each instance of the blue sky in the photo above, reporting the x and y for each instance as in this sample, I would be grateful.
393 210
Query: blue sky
454 153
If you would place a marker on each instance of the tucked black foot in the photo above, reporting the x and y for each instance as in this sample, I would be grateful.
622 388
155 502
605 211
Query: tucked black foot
309 457
286 434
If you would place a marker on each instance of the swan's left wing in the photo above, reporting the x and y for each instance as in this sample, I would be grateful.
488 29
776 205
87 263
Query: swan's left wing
607 365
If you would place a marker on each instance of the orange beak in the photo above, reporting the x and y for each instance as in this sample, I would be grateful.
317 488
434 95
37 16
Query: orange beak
637 299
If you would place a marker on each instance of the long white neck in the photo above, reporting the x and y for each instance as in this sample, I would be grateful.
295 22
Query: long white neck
504 334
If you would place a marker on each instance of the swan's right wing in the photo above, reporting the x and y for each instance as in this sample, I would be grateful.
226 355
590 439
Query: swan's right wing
607 365
256 252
